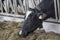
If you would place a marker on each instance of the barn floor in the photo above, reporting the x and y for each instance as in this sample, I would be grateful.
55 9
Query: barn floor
9 31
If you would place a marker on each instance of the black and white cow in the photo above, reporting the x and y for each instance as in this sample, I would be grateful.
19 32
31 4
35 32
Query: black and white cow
35 17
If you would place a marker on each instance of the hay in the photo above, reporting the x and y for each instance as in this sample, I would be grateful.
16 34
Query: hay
10 30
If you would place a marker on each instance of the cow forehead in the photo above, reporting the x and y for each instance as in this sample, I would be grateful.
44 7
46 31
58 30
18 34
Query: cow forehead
27 14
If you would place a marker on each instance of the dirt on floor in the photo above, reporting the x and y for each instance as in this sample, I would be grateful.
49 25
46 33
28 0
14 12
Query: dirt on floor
10 30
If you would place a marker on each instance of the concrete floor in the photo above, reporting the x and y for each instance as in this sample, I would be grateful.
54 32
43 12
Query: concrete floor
51 27
5 18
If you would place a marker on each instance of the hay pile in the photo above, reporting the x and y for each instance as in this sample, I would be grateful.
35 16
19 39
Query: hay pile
9 31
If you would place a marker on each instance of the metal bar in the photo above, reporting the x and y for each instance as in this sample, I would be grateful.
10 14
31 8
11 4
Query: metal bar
58 7
12 15
56 10
7 6
20 2
15 6
34 2
11 5
39 1
26 5
1 6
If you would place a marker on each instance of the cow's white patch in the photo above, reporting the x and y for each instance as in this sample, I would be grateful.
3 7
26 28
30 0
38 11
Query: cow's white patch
20 32
40 17
27 14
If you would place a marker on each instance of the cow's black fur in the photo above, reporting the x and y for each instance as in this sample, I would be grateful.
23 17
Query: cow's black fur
33 22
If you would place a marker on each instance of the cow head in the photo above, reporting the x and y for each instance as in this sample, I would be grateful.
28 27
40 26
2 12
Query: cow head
31 23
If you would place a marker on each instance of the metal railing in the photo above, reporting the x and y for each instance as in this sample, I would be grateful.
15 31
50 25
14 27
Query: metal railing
58 4
12 7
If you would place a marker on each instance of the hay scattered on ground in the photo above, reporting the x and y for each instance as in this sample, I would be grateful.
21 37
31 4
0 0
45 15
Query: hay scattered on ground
10 30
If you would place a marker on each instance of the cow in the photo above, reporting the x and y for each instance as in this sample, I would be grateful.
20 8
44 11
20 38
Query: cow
35 17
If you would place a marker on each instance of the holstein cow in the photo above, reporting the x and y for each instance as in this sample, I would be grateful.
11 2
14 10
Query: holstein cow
35 17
